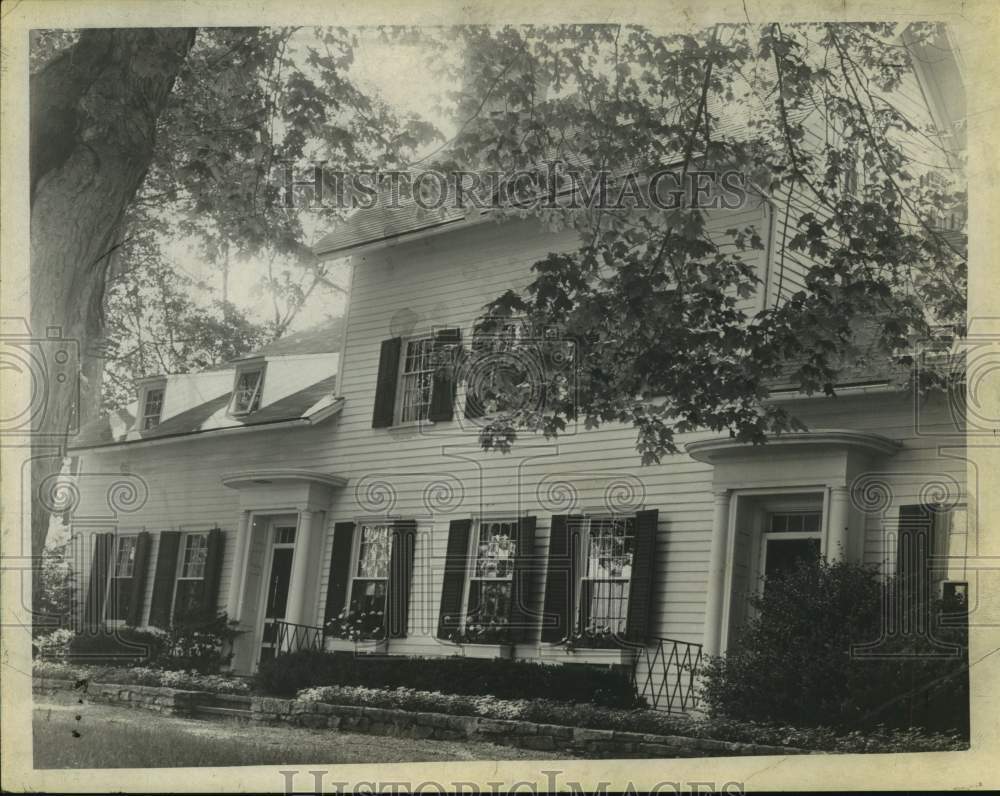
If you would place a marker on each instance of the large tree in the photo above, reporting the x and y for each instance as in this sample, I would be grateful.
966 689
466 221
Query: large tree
652 303
185 127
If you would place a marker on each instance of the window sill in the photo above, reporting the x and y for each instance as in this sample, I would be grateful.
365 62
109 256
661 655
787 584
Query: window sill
366 647
412 424
488 651
615 656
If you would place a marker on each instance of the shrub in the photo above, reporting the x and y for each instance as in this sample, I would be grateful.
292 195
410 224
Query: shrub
54 599
202 644
144 675
546 711
288 674
793 664
199 644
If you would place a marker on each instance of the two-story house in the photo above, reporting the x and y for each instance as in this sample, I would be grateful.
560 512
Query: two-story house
302 487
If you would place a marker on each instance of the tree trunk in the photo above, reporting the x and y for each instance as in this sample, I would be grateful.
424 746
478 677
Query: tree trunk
94 111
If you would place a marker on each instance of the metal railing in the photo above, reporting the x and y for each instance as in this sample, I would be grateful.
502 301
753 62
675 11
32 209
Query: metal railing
670 679
290 637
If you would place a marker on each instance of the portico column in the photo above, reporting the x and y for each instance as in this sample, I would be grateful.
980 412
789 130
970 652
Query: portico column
295 610
239 564
717 574
838 537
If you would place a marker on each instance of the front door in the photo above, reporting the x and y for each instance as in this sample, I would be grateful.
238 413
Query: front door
279 579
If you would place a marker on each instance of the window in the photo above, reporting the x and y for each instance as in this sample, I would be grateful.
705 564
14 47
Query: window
152 408
417 379
191 574
790 538
607 572
120 583
195 554
371 577
246 395
492 576
499 370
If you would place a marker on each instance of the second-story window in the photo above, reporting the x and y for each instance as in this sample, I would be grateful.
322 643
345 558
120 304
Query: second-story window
416 379
152 408
246 395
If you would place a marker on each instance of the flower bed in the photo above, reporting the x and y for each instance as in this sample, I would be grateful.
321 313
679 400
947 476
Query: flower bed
634 721
143 675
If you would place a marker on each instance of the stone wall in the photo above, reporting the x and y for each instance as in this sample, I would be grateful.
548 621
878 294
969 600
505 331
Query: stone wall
171 701
578 741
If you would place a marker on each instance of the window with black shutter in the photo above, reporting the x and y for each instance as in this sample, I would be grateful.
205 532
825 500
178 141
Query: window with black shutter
416 379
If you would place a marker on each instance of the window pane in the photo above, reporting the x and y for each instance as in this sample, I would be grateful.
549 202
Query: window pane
195 555
605 605
418 379
247 395
373 557
489 602
368 596
496 550
125 557
609 550
153 408
795 522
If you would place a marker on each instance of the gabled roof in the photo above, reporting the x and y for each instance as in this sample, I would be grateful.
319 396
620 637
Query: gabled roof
198 403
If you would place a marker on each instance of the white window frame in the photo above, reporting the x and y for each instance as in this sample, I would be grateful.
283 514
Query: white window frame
811 502
401 376
255 397
473 557
356 546
113 573
145 416
179 574
585 528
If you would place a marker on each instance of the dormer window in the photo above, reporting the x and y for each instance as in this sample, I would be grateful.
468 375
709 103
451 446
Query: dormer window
246 395
152 408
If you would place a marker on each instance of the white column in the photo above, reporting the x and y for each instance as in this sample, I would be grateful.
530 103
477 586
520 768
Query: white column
838 536
717 574
298 585
236 576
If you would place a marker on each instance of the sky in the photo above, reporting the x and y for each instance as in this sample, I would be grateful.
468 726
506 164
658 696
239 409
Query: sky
401 76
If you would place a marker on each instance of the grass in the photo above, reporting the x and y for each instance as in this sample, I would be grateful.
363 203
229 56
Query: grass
110 737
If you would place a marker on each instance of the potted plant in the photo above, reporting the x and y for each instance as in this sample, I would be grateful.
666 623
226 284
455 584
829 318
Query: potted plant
596 644
483 638
356 631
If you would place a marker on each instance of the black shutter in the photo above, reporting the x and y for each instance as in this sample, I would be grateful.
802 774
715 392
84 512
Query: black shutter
456 567
560 578
340 570
404 536
213 573
140 569
163 578
100 565
640 590
442 406
385 387
914 543
522 619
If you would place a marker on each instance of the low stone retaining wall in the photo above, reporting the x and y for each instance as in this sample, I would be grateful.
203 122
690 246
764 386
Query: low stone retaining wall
580 741
171 701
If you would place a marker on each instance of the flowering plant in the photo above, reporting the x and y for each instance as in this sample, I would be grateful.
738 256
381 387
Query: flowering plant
357 625
594 636
494 630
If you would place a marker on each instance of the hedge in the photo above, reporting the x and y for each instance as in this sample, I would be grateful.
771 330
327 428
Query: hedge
507 679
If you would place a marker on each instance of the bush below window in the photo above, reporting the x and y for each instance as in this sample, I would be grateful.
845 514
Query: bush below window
144 675
287 674
198 644
793 662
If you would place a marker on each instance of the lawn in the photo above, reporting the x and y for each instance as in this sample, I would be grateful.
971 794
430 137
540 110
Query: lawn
112 737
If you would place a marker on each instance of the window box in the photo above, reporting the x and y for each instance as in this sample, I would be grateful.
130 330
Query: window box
614 656
486 650
365 647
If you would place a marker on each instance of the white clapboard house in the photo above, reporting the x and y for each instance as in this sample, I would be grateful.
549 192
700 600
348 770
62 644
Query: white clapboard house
339 471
